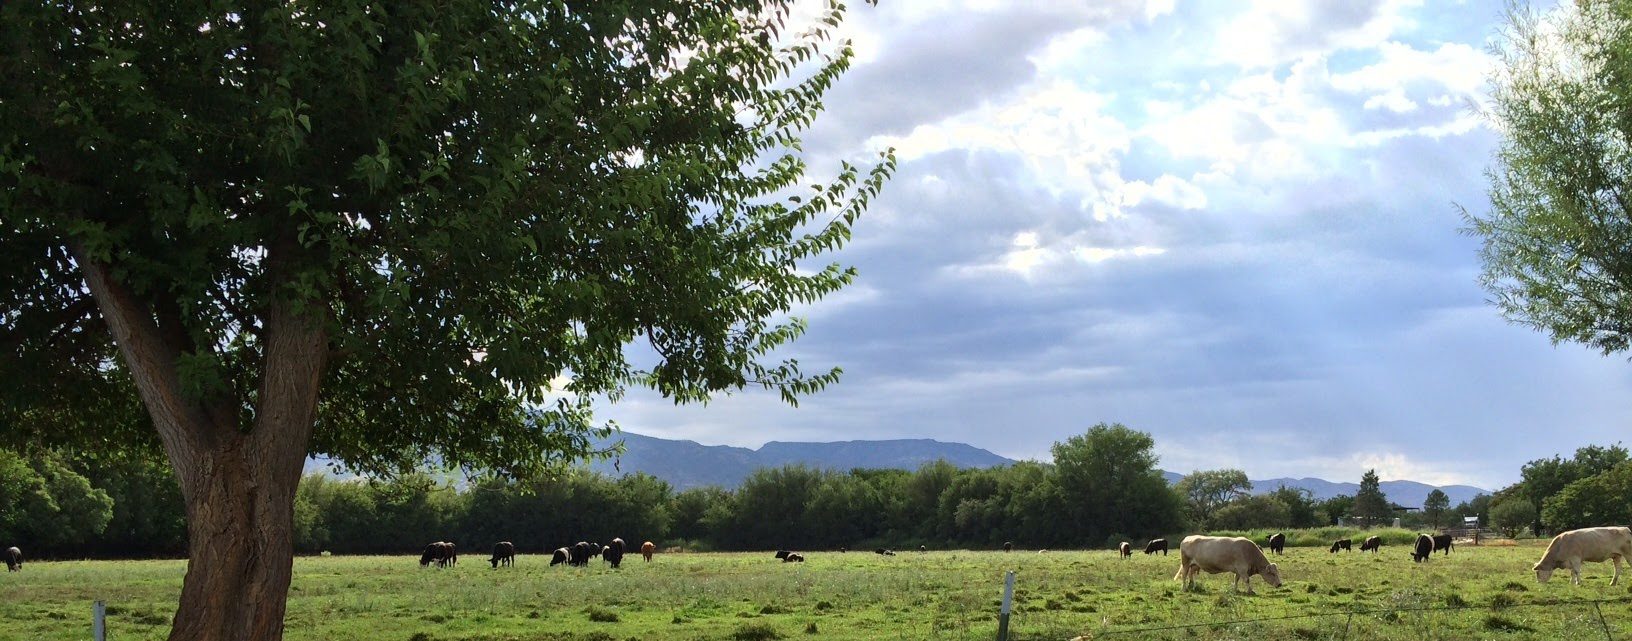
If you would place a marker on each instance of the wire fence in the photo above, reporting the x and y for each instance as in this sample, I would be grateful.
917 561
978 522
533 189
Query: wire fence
1350 614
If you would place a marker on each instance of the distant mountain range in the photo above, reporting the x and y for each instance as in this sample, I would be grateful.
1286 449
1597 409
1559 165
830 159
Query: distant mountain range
688 464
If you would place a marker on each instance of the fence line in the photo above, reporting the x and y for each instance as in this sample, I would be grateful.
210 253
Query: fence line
1595 603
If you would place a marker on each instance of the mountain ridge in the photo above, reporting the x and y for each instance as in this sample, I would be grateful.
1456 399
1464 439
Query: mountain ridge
686 464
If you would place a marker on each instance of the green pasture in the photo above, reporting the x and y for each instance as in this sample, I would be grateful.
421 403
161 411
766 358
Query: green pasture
935 595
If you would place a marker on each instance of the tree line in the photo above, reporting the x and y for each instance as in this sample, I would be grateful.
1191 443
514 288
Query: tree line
1099 488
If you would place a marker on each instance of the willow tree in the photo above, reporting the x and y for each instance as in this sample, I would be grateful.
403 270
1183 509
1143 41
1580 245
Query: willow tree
1557 248
387 232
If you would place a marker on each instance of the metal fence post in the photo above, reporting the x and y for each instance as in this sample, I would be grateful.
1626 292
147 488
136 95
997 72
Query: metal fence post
1346 625
99 625
1003 613
1601 621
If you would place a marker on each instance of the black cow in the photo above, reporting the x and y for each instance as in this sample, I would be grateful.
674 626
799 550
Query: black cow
1124 550
580 553
561 555
503 552
782 554
1442 542
1008 546
441 553
1341 544
1277 543
1424 548
613 553
1156 545
1372 544
14 559
884 552
793 557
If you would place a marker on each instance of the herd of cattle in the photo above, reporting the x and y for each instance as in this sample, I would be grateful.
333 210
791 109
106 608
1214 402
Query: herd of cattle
444 554
1197 553
1243 557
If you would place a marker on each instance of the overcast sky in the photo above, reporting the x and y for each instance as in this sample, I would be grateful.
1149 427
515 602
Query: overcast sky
1232 225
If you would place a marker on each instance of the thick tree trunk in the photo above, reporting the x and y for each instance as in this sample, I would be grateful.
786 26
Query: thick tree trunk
239 551
239 484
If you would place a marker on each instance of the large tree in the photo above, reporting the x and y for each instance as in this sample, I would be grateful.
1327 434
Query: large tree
1110 484
1557 237
1206 491
1597 500
1370 504
394 232
1435 505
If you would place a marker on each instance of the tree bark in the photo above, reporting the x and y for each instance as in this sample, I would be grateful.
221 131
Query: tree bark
238 484
239 549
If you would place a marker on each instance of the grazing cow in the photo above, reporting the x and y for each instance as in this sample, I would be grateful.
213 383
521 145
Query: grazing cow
561 555
613 553
441 553
581 553
14 559
594 550
782 554
1341 544
922 549
503 552
1213 554
647 549
1008 546
1156 545
842 550
884 552
1277 543
1371 544
1442 542
1594 544
1124 550
1422 548
794 557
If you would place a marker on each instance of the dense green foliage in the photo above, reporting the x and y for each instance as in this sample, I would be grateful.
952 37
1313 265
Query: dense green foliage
1601 499
948 596
1206 491
1512 516
791 507
1556 238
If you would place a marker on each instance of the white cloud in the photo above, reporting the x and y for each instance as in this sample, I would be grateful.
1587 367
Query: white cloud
1273 32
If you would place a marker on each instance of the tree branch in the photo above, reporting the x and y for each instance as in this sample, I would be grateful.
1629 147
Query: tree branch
183 426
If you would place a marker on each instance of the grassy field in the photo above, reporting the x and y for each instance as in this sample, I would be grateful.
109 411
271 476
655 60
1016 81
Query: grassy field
937 595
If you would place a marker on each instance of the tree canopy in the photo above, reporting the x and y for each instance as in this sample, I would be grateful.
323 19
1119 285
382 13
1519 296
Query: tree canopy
246 232
1206 491
1556 238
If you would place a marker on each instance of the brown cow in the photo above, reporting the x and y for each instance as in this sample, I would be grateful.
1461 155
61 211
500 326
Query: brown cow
647 549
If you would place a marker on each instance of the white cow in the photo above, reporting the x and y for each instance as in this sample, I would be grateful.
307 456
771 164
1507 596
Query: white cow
1595 544
1214 554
